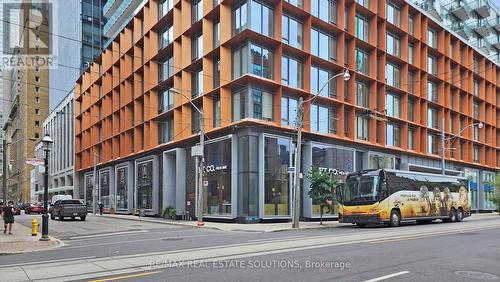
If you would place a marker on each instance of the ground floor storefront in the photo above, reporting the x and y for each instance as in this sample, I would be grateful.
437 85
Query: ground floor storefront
248 177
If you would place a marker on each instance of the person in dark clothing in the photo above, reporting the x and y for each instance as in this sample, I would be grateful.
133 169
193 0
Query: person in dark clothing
101 207
8 217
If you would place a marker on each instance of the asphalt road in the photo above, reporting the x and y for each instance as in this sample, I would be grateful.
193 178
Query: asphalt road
467 251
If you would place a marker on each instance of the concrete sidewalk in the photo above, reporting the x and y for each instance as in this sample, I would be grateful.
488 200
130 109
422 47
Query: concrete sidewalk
21 241
254 227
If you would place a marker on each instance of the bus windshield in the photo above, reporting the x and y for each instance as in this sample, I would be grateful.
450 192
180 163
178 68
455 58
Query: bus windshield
360 189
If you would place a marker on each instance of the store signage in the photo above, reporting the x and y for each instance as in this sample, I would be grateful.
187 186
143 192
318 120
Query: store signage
333 171
34 162
214 168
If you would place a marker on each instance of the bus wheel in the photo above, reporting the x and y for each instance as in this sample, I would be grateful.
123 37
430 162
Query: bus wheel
395 218
459 215
452 217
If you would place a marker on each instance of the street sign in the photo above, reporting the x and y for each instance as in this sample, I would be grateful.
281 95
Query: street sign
34 162
291 169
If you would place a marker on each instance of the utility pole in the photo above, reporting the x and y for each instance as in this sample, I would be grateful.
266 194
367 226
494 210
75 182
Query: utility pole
4 174
96 187
200 171
298 124
443 139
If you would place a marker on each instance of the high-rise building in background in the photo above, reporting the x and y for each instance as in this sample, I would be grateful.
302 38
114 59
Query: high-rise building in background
477 21
245 64
29 95
119 13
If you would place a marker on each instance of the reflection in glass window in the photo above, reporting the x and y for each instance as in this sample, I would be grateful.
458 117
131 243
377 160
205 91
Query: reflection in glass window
239 17
431 38
291 32
196 10
197 83
167 36
323 45
166 130
362 95
392 75
166 69
393 45
252 103
165 100
277 181
197 47
432 93
291 72
288 111
393 14
261 18
362 127
362 31
258 62
432 143
298 3
165 7
432 118
362 62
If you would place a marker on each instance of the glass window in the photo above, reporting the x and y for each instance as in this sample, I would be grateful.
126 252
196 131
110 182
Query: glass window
216 39
197 47
476 109
323 119
167 36
411 110
291 32
166 131
431 38
432 94
411 86
165 7
393 45
248 176
476 88
240 17
277 181
298 3
217 176
197 83
410 53
165 100
288 111
323 45
432 118
291 72
410 25
432 144
166 69
145 185
364 3
319 79
325 10
432 65
362 31
362 62
476 153
362 127
261 18
393 14
411 138
195 119
392 135
392 105
216 110
392 75
253 103
362 95
196 10
216 72
261 61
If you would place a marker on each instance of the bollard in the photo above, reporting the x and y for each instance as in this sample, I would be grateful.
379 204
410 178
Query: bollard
34 227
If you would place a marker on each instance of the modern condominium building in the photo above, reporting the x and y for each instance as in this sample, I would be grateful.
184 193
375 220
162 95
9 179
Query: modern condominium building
244 65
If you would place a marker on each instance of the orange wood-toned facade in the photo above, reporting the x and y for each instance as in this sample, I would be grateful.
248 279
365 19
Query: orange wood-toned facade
117 97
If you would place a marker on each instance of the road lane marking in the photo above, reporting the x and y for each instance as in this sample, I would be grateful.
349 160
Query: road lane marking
387 276
108 234
277 238
44 261
126 276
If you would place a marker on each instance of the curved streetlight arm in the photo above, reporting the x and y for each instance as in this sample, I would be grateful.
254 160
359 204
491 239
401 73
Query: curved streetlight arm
479 124
176 91
346 75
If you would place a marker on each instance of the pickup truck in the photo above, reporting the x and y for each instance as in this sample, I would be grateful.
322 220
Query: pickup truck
68 208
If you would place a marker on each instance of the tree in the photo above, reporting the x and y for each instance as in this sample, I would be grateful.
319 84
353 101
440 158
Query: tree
321 186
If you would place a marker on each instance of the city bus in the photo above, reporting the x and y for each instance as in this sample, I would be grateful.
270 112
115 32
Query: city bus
393 196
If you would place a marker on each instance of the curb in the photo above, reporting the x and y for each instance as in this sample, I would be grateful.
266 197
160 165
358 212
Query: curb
52 239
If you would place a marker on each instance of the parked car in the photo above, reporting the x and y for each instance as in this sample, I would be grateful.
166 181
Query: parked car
17 210
35 208
68 208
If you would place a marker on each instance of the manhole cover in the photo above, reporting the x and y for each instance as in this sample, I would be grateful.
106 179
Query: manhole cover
171 239
476 275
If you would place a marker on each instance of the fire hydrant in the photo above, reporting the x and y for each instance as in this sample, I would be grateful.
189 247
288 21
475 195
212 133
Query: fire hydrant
34 227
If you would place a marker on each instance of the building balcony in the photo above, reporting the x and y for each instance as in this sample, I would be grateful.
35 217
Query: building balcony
481 8
461 29
495 24
110 7
482 28
460 10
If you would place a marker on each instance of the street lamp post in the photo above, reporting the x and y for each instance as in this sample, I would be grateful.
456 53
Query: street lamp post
46 141
299 121
201 159
444 139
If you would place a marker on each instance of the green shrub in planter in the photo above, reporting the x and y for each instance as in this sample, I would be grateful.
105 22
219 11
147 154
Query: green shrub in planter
169 212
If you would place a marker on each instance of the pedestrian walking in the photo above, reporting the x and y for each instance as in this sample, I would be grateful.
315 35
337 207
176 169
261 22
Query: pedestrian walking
101 207
8 217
